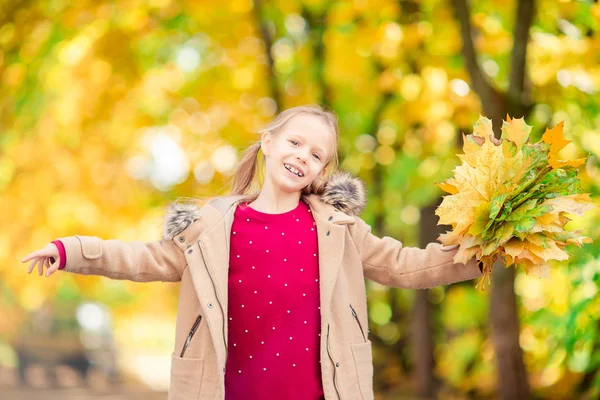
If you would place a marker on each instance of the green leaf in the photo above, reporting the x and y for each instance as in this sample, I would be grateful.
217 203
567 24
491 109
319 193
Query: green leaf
509 149
482 212
506 211
496 205
505 232
525 225
522 210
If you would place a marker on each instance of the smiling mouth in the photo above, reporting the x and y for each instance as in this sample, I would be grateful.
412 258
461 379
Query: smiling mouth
293 170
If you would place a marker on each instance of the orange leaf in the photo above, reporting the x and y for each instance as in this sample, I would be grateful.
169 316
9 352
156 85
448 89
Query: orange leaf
554 137
447 187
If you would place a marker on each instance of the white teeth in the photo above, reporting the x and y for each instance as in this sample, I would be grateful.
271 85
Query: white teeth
294 170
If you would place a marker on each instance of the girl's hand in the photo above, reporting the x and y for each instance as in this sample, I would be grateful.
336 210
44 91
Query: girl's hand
42 257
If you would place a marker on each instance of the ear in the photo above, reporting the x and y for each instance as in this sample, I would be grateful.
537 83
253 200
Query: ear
323 173
265 142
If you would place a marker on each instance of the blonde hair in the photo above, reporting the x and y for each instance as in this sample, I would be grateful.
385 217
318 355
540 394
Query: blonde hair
244 180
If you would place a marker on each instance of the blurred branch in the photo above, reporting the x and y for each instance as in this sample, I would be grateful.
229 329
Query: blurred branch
263 28
317 26
481 85
9 8
524 18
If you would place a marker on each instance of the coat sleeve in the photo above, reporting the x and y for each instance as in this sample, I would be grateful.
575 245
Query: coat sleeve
160 260
386 261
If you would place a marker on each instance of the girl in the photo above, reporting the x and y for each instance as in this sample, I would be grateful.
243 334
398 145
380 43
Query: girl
272 301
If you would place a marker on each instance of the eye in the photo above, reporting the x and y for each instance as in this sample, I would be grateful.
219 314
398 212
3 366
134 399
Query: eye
294 142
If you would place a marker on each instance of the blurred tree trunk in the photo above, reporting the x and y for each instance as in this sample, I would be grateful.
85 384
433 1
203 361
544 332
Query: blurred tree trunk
422 345
593 374
512 376
421 325
377 195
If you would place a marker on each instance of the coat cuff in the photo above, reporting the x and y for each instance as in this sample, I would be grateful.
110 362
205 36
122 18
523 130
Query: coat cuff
73 253
62 255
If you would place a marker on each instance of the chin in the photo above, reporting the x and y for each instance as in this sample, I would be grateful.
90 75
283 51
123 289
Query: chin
290 187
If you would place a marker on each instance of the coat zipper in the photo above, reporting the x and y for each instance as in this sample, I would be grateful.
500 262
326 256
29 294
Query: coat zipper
216 295
190 335
334 367
358 321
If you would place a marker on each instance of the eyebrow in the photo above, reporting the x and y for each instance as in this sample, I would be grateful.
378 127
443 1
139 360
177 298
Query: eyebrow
303 138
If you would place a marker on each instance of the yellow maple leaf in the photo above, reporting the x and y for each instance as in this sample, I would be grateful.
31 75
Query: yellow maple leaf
471 145
527 254
554 137
575 204
469 246
513 247
579 241
548 218
463 255
516 130
550 252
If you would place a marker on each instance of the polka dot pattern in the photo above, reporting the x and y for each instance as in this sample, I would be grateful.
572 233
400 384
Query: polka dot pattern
273 306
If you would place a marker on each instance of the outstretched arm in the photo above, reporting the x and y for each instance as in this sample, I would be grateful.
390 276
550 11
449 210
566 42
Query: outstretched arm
386 261
160 260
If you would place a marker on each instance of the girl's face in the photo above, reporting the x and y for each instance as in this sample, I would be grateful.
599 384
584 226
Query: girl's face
298 153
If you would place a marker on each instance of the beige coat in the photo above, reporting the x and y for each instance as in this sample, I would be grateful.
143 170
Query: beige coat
195 248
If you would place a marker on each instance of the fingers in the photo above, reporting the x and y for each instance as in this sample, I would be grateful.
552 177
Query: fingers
37 261
52 268
35 257
43 258
31 265
30 256
49 251
40 264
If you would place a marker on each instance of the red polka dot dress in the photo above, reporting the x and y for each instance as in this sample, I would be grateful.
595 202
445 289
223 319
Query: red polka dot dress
273 306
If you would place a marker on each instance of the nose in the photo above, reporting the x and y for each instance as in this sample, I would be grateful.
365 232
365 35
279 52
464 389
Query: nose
301 157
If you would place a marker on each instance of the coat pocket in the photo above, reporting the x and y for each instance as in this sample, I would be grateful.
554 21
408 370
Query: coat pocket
355 315
91 246
363 360
186 377
190 335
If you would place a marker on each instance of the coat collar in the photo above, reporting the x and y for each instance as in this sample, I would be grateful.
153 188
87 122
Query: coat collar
343 197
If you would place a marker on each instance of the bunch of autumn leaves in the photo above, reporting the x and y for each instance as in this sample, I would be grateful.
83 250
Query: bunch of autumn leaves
511 199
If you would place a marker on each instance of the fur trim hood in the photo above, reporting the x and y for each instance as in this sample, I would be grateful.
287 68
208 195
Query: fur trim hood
343 191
